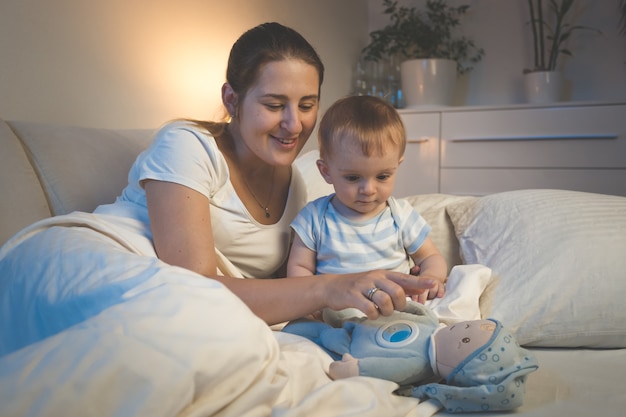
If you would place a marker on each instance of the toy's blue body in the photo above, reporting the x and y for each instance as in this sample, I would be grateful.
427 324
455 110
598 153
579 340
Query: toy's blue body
393 348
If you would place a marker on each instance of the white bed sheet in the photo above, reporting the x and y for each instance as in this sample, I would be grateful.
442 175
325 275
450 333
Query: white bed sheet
574 383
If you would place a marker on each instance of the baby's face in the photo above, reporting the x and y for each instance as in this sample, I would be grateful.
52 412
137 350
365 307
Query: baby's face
456 342
362 183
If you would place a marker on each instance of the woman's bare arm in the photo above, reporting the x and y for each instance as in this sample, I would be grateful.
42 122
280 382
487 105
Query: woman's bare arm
180 220
284 299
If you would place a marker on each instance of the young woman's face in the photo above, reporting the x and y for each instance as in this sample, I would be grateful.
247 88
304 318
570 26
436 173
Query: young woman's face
279 112
362 183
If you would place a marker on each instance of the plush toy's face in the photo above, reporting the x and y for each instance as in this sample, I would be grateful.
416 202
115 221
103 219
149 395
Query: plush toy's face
456 342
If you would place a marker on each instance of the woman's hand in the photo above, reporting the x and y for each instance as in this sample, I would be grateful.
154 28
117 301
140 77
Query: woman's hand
374 292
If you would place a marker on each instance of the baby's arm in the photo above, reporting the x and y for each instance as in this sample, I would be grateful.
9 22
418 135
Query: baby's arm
302 260
431 265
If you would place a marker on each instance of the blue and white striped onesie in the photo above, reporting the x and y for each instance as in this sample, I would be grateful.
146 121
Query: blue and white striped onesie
345 246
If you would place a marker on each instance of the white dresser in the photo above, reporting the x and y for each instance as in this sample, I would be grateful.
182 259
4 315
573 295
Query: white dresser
483 150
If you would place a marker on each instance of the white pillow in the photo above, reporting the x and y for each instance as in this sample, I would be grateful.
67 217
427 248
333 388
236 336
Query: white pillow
433 208
560 260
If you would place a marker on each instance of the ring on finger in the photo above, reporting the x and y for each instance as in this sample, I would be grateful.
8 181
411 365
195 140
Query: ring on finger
371 292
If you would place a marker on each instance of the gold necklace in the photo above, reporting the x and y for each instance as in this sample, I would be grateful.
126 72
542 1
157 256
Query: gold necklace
269 197
265 207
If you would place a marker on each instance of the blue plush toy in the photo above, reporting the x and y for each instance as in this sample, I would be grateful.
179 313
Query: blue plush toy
483 366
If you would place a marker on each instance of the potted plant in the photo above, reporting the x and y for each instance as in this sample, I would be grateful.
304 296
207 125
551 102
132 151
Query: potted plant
544 80
426 43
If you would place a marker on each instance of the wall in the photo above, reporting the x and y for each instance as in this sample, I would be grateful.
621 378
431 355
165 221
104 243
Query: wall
595 72
138 63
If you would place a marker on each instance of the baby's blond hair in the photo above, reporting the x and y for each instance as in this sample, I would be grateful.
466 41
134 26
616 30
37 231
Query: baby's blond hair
369 120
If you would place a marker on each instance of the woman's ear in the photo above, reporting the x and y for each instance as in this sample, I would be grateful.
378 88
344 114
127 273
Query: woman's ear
230 99
323 168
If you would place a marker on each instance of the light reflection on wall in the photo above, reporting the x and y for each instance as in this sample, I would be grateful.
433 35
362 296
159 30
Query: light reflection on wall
125 64
173 58
139 63
188 78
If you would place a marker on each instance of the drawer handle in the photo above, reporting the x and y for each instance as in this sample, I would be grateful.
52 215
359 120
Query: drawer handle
422 140
531 138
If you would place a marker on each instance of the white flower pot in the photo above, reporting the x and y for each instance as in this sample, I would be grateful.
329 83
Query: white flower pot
428 82
543 86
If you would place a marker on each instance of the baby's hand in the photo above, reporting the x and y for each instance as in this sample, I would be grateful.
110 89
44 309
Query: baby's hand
437 291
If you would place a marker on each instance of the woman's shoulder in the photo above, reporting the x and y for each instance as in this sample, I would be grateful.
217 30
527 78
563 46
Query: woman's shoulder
185 153
190 139
182 129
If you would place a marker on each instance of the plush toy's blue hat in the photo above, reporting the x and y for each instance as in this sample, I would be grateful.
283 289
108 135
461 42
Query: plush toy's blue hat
492 378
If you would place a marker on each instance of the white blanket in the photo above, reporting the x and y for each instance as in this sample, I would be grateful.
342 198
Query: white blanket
111 330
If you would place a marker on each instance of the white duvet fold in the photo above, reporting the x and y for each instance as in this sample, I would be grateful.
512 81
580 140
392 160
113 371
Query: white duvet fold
98 326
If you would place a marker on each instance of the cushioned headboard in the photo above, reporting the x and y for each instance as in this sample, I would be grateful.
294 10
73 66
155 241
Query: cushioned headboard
80 168
22 201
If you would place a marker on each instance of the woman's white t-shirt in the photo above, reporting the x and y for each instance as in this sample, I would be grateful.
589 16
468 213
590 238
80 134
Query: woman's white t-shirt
186 154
